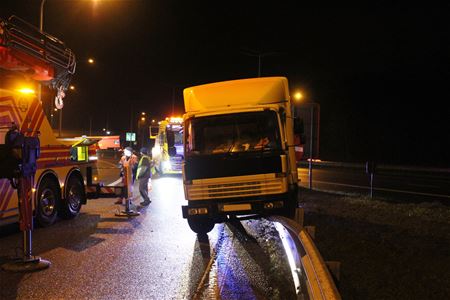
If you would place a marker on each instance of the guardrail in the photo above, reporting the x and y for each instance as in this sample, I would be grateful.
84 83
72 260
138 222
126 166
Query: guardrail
380 167
305 259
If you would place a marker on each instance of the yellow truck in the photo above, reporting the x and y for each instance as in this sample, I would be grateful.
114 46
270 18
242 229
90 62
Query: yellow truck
239 151
168 149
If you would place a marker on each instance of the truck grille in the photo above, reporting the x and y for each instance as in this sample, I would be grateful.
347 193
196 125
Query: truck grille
236 189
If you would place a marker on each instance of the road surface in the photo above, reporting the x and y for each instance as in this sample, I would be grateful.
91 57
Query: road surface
153 256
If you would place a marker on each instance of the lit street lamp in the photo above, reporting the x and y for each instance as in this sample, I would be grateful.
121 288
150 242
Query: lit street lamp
298 96
314 108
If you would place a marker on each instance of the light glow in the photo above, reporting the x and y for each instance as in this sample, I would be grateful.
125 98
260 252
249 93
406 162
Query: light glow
156 151
26 91
298 96
166 165
176 120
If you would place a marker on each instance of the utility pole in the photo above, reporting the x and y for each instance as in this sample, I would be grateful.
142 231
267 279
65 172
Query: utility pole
173 101
310 171
90 125
260 55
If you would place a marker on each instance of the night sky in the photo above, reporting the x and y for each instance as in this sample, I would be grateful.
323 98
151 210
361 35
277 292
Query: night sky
380 73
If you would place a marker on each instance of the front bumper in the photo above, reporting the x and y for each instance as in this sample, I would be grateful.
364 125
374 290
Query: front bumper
220 208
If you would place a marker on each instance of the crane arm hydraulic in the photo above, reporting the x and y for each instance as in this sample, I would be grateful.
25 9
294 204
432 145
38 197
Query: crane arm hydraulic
42 57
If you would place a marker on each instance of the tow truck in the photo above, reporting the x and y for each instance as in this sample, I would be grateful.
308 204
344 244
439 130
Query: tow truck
29 57
168 149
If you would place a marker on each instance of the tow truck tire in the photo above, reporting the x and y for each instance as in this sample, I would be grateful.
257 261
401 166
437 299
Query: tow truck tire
200 225
47 201
75 197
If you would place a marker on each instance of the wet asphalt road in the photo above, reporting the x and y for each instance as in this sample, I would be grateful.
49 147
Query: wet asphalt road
153 256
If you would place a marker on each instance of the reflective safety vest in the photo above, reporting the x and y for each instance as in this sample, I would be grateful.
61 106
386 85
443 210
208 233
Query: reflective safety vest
144 167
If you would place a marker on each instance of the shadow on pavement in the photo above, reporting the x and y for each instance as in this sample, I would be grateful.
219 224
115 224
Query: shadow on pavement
76 235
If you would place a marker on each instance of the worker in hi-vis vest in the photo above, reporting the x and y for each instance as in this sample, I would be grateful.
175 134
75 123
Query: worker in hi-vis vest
144 175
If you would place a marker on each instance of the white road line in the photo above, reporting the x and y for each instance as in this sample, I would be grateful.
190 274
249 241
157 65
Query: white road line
115 182
384 189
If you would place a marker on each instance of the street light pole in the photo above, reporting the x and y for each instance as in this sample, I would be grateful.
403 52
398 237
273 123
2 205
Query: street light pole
310 173
41 21
41 29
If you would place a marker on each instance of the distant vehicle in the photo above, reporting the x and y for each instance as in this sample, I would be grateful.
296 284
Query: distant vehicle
108 146
28 56
239 151
168 149
108 141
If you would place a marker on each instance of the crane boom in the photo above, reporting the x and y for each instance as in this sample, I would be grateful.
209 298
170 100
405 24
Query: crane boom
24 48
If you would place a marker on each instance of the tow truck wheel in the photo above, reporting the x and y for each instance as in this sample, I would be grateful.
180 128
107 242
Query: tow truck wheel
47 201
200 225
75 196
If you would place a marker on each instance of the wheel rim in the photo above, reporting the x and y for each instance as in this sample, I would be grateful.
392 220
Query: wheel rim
47 202
74 197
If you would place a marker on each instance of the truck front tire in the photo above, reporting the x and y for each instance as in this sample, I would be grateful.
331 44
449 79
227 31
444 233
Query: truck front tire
201 225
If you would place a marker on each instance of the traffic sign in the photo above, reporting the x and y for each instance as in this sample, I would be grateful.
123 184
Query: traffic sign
130 137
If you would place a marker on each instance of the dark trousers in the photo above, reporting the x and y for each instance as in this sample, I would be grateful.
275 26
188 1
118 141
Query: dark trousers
143 188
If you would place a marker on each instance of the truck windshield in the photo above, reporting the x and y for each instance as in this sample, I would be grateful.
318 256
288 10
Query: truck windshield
175 132
241 132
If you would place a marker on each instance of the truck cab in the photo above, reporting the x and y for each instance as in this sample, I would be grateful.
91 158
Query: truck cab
239 151
168 149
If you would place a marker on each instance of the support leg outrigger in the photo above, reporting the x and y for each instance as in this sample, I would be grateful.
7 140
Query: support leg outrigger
128 212
24 175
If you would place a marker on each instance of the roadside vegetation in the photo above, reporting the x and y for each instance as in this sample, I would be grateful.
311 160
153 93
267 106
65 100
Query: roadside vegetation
387 250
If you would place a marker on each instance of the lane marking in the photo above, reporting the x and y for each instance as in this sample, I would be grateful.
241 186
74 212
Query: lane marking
385 189
108 163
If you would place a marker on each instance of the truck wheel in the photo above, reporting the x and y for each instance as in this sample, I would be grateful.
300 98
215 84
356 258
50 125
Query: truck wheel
47 201
75 196
200 225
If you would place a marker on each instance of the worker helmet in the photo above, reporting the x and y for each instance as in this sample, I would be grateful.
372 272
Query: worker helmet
144 150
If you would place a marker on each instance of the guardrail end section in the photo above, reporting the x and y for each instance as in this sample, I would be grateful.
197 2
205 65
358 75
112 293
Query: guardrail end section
335 269
299 216
311 230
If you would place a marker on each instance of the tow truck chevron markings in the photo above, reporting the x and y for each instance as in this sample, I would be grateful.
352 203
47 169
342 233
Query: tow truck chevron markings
9 110
5 193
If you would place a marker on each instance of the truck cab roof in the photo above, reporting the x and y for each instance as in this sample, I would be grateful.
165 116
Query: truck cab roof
242 92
